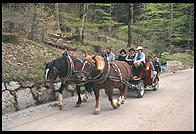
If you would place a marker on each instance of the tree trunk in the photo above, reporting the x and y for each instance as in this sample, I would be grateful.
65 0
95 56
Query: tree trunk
110 27
33 33
130 23
84 17
190 27
171 23
57 16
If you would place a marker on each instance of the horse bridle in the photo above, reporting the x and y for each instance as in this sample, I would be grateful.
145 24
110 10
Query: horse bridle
55 73
72 70
100 77
82 69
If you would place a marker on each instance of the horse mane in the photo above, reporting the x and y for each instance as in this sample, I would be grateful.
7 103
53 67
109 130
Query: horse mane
99 61
147 59
88 58
75 59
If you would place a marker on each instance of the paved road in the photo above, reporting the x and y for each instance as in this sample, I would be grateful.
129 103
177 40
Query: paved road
169 108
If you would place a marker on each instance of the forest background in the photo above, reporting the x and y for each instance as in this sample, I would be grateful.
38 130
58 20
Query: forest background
35 33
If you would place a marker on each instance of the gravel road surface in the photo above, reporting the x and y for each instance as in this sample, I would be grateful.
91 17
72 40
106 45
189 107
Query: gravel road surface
171 107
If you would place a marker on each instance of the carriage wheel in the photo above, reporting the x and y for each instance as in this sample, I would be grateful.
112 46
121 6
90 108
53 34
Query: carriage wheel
156 86
140 90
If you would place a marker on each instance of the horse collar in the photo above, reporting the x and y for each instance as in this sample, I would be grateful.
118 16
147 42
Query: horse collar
117 70
71 61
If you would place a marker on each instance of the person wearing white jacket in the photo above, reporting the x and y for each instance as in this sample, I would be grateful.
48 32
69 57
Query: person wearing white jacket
139 62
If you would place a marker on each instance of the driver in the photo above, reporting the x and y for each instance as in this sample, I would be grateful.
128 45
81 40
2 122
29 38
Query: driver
157 66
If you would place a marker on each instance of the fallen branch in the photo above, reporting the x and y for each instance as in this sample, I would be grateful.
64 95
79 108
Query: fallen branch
62 46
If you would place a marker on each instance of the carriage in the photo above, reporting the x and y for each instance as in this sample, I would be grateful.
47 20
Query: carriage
144 81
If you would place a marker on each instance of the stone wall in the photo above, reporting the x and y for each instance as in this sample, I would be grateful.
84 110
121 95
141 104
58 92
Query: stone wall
173 66
17 96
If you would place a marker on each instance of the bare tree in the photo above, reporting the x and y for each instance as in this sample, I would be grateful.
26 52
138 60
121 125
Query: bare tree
84 17
190 25
57 16
171 22
130 23
33 32
111 10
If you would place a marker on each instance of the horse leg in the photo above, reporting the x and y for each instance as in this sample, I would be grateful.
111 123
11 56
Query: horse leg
79 97
60 97
120 99
87 89
124 93
85 97
97 105
114 102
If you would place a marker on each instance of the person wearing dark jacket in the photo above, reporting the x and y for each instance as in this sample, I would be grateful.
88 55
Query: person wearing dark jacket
130 57
122 55
157 67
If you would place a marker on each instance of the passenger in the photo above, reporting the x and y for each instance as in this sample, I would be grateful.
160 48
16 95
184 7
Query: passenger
122 55
108 55
157 67
153 69
139 62
130 57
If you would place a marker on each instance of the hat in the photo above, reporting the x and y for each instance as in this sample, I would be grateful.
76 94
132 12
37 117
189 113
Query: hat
131 49
122 50
139 48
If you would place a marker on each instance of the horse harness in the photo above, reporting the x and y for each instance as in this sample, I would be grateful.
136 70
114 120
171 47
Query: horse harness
71 71
105 74
70 67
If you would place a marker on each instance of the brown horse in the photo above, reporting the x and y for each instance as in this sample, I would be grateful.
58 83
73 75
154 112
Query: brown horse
106 75
147 75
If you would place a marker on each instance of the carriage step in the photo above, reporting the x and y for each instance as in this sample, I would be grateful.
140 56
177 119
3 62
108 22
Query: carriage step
135 80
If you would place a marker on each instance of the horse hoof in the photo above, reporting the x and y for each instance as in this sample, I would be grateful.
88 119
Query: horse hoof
118 105
84 100
77 105
60 107
122 102
96 112
54 105
115 107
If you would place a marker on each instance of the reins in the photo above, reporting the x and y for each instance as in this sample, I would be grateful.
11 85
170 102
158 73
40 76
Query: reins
102 76
105 74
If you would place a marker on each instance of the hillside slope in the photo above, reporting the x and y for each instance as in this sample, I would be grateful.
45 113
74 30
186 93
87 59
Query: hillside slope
26 60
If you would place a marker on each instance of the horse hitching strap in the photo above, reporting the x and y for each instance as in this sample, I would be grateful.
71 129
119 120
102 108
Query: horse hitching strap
108 67
72 63
118 70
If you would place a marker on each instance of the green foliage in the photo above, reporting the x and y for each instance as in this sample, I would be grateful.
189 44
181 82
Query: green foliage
158 27
158 49
185 58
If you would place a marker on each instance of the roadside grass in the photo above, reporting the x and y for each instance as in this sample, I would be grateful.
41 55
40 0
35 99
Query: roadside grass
185 58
